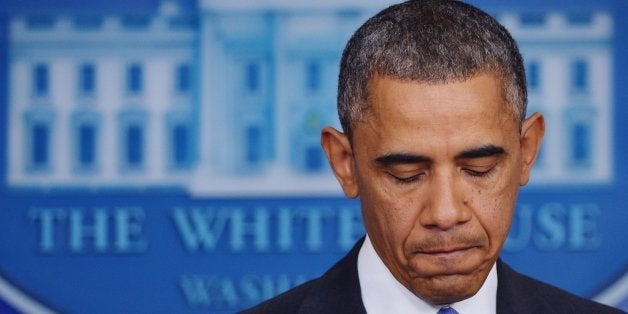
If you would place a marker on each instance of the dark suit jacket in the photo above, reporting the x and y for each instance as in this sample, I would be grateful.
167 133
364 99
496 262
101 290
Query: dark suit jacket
338 291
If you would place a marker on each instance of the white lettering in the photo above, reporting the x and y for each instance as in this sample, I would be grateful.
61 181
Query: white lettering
258 228
199 228
98 230
555 226
226 293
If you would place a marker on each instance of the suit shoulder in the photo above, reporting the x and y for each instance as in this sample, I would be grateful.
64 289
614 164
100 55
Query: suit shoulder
336 291
565 300
534 294
287 302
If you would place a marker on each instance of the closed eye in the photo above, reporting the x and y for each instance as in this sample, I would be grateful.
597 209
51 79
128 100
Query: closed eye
406 179
479 173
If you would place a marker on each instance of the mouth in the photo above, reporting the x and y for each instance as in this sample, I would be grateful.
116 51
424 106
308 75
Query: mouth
440 261
445 252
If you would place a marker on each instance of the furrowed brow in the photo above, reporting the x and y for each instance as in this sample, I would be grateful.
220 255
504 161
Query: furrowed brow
480 152
401 158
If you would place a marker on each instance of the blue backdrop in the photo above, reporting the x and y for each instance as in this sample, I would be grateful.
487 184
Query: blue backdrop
163 157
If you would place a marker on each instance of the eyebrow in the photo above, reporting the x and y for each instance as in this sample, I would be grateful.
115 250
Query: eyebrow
480 152
401 158
408 158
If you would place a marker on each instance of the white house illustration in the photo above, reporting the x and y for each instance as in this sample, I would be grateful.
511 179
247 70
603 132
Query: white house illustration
230 99
569 68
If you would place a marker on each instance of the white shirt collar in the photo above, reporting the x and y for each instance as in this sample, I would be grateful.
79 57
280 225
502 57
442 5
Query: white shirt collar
382 293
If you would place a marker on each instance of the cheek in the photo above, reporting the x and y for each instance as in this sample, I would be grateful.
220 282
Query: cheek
389 214
494 209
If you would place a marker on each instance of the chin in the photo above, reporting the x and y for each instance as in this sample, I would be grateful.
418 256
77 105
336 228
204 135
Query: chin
447 290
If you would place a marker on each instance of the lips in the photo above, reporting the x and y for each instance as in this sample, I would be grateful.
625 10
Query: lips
440 244
440 261
445 251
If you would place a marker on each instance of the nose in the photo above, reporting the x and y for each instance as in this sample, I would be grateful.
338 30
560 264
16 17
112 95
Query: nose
446 206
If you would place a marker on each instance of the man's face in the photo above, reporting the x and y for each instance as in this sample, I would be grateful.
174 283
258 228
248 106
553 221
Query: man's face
437 168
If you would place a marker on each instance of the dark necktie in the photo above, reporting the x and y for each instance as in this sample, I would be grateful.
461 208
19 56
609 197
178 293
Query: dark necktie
447 310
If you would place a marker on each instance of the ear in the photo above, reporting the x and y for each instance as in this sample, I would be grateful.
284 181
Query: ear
532 132
337 147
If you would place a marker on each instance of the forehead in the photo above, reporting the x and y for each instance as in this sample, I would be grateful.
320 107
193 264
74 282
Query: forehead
387 94
404 110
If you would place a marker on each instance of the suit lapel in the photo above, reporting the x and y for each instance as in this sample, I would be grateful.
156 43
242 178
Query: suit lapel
338 290
515 294
507 298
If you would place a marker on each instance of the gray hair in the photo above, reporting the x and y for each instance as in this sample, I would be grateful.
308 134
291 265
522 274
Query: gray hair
433 41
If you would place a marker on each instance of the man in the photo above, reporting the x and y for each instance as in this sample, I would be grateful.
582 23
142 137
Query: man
432 101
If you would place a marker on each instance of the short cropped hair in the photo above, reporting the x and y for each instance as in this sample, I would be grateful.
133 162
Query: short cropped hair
428 41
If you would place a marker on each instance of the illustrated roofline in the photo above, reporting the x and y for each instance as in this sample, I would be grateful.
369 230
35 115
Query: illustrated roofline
561 26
